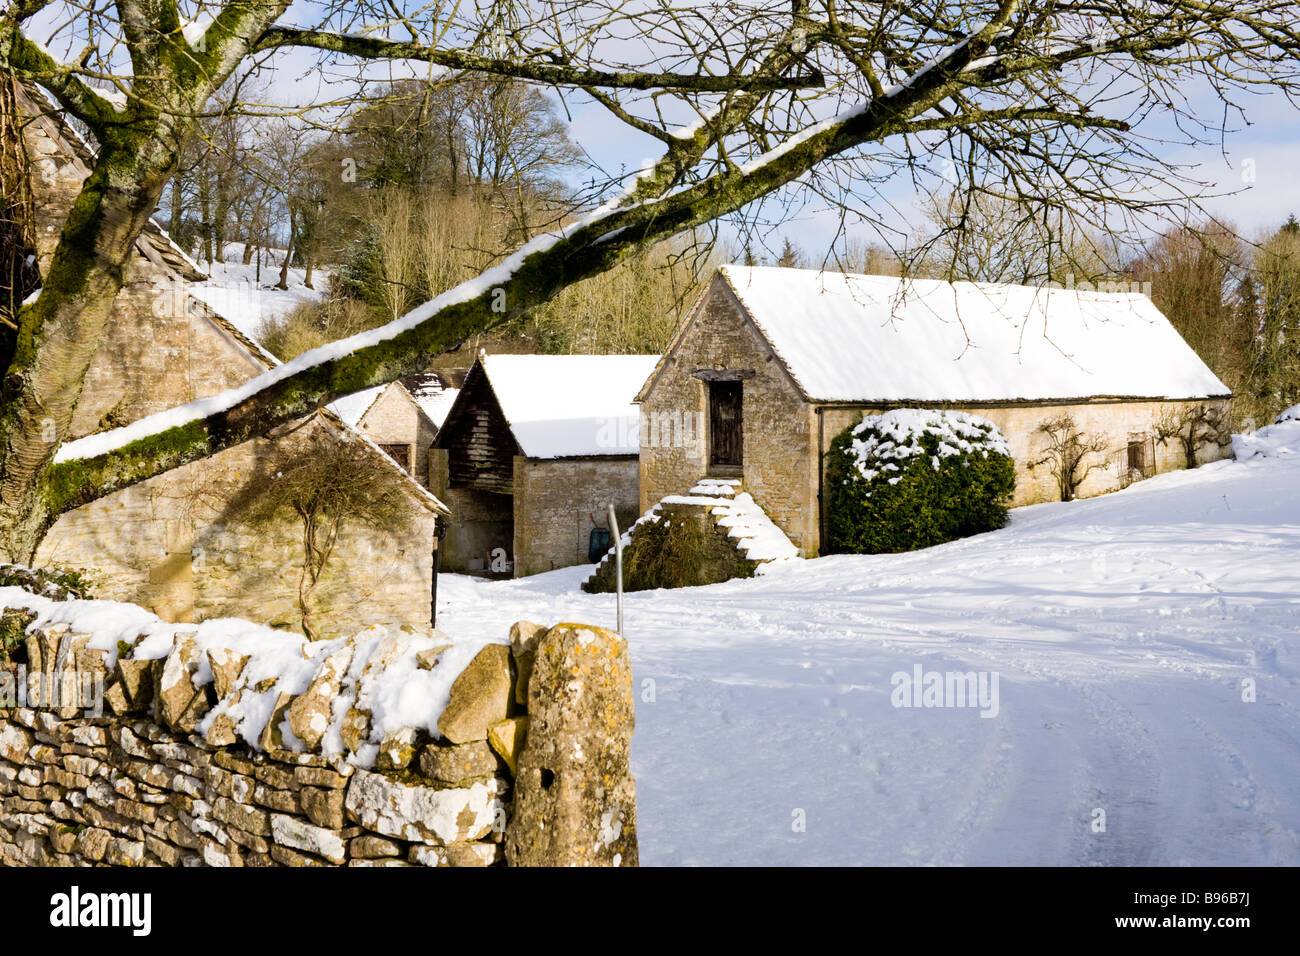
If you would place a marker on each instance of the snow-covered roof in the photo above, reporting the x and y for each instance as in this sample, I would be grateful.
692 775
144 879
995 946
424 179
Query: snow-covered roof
352 408
562 406
432 393
857 338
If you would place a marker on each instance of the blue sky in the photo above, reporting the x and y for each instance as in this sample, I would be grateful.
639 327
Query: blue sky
1252 182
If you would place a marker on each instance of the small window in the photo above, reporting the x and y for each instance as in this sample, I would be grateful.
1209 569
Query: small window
400 454
1137 459
1137 456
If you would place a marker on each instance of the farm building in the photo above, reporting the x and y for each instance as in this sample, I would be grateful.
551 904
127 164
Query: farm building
189 544
771 364
533 451
401 417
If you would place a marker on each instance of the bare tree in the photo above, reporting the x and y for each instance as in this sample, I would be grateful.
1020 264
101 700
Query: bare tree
839 97
983 237
1194 428
1195 274
1066 454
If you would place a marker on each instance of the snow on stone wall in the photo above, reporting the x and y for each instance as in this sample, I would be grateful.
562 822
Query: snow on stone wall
129 741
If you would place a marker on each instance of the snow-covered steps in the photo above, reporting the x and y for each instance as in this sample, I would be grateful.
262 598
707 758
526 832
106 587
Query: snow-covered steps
716 487
723 505
756 535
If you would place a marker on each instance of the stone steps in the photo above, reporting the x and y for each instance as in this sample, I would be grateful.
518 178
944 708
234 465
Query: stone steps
726 503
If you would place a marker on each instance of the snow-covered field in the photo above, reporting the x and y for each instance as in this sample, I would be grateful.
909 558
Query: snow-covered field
1124 632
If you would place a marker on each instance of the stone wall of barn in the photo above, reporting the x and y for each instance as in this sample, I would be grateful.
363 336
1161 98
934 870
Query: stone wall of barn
558 501
523 771
394 418
780 461
1117 423
186 546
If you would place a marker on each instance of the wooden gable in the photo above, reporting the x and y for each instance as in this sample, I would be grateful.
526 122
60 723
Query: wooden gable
480 445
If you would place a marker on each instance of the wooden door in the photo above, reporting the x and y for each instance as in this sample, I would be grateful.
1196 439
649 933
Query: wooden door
726 424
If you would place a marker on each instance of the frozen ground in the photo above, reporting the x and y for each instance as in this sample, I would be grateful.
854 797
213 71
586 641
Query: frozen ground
1121 628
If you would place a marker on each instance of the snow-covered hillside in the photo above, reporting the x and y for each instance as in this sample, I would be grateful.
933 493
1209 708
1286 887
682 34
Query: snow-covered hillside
236 291
1124 631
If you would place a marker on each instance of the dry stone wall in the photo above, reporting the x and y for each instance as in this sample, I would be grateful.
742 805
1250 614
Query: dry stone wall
167 774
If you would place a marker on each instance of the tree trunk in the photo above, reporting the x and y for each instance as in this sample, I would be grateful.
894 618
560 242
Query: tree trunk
283 284
61 331
174 222
205 212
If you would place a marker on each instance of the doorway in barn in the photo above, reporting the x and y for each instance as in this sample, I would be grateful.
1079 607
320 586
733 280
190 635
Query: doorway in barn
726 427
481 538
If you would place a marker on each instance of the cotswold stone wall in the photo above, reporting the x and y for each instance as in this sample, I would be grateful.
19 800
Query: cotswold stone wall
529 766
1115 422
194 553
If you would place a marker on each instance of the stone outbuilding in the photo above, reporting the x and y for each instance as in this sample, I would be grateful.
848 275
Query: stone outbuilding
533 451
771 364
185 544
402 418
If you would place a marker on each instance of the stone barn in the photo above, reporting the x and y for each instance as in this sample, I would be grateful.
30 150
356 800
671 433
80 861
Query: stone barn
400 423
184 544
771 364
532 453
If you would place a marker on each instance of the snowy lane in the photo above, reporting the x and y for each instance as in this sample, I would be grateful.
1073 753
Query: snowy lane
1121 628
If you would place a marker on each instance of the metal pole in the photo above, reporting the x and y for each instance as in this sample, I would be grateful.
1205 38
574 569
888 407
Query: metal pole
618 564
439 530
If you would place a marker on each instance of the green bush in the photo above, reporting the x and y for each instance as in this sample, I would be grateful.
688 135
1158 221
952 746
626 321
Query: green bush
13 635
913 478
681 549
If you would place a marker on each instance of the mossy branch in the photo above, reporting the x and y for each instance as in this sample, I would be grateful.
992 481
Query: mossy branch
29 61
586 251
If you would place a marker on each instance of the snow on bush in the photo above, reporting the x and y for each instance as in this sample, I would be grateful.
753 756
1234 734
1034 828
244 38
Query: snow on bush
912 478
54 583
1271 441
50 584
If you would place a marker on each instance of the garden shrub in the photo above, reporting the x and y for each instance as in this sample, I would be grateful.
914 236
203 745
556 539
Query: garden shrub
913 478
